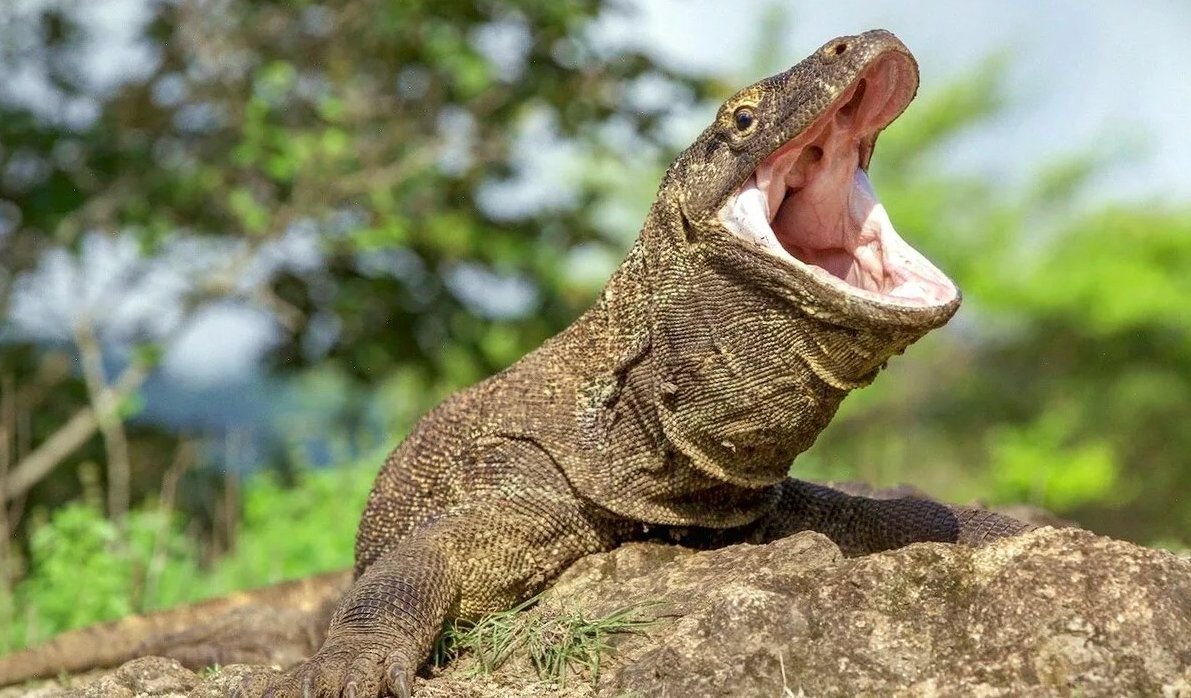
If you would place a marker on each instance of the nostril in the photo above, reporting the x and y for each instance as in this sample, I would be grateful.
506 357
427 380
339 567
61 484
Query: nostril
839 48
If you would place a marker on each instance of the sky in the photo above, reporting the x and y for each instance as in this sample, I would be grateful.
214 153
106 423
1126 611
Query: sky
1090 73
1094 74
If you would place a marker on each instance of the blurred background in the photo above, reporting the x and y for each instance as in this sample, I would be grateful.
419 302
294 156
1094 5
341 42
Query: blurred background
243 246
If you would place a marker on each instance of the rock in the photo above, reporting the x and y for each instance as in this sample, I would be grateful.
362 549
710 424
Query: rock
1057 612
1054 612
147 677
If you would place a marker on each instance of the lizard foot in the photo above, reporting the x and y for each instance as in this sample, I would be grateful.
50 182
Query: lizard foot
345 671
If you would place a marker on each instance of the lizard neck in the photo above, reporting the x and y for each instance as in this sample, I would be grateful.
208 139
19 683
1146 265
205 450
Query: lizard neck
700 385
622 458
739 378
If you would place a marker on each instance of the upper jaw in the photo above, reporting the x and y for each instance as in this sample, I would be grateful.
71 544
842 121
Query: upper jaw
810 205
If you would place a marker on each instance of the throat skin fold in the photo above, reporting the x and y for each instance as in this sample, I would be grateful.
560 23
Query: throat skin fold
710 382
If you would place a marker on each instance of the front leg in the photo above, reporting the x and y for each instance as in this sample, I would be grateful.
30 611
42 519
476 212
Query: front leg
860 525
387 622
483 557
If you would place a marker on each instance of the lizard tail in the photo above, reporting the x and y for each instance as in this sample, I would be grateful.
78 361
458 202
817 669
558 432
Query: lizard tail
116 642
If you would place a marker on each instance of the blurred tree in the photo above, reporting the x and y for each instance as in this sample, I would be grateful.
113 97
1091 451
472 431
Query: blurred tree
354 170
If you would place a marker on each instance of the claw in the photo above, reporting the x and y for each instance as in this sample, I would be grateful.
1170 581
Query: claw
349 691
399 681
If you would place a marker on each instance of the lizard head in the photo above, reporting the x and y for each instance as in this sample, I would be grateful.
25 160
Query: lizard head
779 282
778 184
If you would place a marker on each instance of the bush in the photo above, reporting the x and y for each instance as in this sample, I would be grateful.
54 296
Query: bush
82 569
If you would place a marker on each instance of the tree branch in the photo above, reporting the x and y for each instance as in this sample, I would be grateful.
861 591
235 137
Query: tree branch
71 435
105 410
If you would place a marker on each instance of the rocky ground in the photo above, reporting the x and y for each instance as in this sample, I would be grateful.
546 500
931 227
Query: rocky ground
1058 612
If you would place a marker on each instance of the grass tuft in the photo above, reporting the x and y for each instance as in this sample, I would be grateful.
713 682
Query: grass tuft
558 642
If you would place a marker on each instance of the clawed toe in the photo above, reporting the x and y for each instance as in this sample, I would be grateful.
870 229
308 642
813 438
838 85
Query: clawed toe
333 676
398 676
319 677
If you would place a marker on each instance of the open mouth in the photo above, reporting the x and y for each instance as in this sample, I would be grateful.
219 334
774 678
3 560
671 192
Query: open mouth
810 203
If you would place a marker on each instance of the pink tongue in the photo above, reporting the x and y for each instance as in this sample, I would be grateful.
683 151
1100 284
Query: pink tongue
828 222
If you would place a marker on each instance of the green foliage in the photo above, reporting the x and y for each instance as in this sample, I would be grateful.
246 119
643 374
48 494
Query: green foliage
81 570
1038 464
1131 272
291 532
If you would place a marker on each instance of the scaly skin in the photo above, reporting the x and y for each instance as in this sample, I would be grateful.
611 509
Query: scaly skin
675 405
678 400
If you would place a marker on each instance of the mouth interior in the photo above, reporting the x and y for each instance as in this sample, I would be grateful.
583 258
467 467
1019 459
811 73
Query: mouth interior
811 204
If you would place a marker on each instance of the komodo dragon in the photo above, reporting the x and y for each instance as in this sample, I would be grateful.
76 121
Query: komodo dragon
766 283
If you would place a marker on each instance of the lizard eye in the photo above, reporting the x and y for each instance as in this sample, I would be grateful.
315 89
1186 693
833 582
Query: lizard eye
743 116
